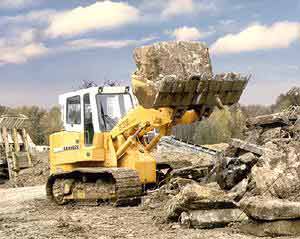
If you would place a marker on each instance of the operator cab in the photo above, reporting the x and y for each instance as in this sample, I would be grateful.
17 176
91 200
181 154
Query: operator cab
96 109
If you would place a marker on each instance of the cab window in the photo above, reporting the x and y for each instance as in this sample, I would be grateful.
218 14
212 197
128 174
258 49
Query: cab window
73 110
111 108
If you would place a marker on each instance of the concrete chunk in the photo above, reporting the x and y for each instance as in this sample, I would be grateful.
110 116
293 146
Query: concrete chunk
270 209
278 119
272 229
207 219
253 148
181 59
195 197
248 158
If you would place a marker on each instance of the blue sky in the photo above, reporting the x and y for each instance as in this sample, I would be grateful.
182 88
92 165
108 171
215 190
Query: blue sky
47 47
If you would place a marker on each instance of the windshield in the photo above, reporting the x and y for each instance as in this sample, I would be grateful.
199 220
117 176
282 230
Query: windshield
111 108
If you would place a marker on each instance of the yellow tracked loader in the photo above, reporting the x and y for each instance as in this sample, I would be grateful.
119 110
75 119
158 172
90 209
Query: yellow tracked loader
103 153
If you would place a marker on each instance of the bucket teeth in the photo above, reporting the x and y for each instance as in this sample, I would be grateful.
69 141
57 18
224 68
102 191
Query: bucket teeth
192 93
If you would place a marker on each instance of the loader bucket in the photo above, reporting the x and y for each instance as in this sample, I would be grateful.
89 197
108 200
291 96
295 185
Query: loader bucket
192 93
179 75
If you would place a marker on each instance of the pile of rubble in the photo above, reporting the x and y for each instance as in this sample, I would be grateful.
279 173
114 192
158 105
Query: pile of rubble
268 157
33 176
255 183
267 163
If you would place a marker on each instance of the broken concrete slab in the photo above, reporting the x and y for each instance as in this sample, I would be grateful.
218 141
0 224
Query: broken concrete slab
239 190
248 158
253 135
271 146
277 174
272 229
284 118
232 175
278 119
230 171
270 134
208 219
253 148
195 197
260 208
179 58
197 173
157 198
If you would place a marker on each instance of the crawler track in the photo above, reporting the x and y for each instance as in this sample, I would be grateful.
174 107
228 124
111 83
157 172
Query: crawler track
119 186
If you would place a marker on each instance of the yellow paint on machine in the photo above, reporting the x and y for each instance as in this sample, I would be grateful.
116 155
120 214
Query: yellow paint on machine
65 157
118 148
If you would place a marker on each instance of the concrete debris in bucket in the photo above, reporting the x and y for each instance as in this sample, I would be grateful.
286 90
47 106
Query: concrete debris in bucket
181 59
179 74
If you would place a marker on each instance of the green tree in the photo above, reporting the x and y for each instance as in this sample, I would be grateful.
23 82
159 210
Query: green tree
51 122
34 125
283 102
220 126
2 109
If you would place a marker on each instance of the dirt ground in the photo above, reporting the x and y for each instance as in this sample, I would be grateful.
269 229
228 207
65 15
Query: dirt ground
26 213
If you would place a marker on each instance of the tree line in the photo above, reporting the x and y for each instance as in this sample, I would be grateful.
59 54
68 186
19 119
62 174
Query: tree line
229 123
41 122
220 127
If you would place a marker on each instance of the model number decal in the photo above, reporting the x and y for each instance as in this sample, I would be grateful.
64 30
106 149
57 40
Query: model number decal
66 148
74 147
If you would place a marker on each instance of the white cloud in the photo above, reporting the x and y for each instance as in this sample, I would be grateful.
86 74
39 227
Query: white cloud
89 43
25 47
20 47
178 7
183 7
16 3
16 54
100 15
293 67
257 37
41 16
188 34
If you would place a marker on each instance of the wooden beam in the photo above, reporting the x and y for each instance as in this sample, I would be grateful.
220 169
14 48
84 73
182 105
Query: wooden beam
26 145
8 154
5 140
16 140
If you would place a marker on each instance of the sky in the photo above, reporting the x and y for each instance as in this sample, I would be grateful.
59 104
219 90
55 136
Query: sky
47 47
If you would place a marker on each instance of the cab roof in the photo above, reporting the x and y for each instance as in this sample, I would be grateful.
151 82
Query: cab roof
96 90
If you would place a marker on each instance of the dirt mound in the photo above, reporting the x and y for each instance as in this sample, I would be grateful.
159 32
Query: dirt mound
36 175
